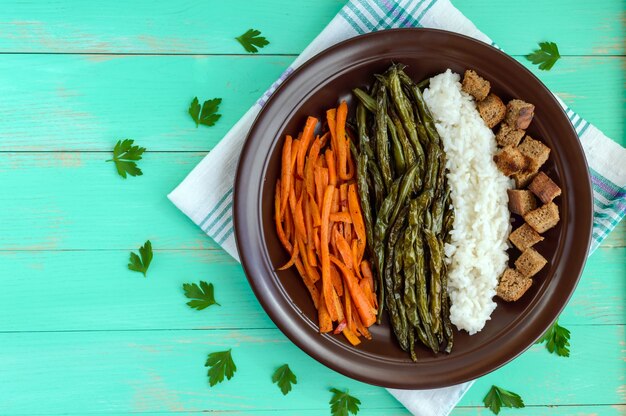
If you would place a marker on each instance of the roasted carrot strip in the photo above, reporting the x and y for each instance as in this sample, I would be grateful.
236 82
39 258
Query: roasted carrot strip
351 336
286 174
311 272
309 172
360 328
330 162
343 146
347 306
340 327
355 212
341 217
344 251
324 138
299 220
292 260
363 306
337 305
331 119
368 277
315 212
307 136
277 218
315 294
327 287
319 186
308 222
354 249
325 323
336 279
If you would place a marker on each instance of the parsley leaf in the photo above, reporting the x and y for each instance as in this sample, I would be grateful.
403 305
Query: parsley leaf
285 378
556 339
546 56
341 403
202 295
208 115
141 264
221 363
124 155
498 397
251 41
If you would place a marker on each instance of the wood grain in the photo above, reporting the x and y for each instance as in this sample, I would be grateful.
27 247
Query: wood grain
159 371
86 103
88 295
188 26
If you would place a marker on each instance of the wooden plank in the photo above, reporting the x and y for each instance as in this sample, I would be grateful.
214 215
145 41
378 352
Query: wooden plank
98 293
209 27
67 200
86 103
160 371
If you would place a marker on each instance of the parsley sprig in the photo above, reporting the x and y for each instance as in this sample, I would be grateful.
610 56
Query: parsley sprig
125 155
556 339
342 403
284 377
207 113
138 264
251 41
497 398
202 296
546 56
220 364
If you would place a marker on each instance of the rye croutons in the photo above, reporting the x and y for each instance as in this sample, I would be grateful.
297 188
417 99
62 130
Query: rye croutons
525 237
543 218
509 136
475 85
512 285
521 201
510 160
544 187
530 263
536 151
519 114
492 110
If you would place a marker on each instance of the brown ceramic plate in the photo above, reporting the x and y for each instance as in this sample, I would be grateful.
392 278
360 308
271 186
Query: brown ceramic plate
320 84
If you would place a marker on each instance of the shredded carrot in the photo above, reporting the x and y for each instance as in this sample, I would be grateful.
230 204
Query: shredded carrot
363 306
292 260
325 323
277 217
331 119
327 288
315 212
330 162
341 217
344 251
307 136
309 173
336 279
286 174
342 142
355 212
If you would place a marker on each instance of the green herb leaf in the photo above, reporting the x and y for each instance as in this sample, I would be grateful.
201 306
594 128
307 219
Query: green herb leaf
546 56
556 339
124 155
497 398
250 39
202 295
342 403
207 113
141 264
220 364
285 378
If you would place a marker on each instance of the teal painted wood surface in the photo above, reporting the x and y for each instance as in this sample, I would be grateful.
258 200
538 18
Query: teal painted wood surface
80 334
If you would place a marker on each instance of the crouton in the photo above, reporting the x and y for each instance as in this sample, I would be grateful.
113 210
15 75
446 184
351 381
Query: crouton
475 85
523 178
530 262
521 201
536 151
510 160
519 114
525 237
544 188
512 285
543 218
509 136
492 110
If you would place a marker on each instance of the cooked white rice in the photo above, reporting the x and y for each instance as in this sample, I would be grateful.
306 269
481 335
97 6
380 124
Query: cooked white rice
477 251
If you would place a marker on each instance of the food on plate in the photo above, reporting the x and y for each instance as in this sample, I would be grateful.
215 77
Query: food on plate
477 250
543 218
521 160
524 237
544 188
513 285
319 221
530 262
404 192
521 201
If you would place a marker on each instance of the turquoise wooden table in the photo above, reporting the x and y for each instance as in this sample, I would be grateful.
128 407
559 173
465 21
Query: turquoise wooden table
80 334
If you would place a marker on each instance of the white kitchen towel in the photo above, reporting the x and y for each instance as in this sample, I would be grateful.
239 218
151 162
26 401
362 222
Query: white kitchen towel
206 194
